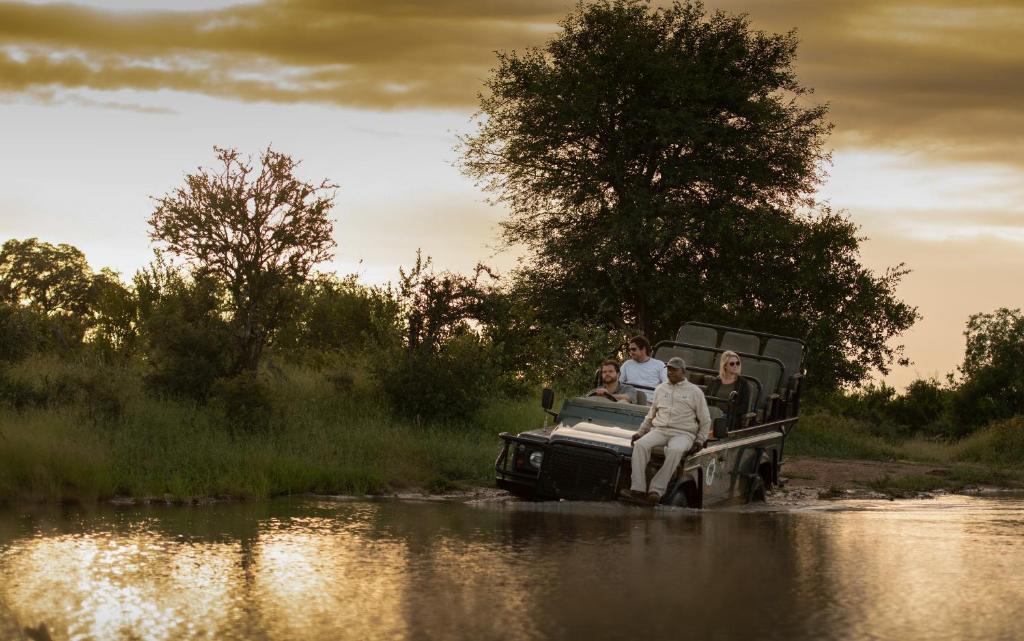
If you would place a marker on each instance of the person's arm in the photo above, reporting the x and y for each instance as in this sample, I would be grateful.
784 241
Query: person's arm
703 417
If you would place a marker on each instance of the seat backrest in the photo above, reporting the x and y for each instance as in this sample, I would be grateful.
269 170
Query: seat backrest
693 357
738 342
697 335
767 373
787 351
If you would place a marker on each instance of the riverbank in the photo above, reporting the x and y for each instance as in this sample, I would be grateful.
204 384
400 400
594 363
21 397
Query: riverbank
320 441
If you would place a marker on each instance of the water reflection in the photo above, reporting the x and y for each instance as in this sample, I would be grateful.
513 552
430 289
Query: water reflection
944 569
106 586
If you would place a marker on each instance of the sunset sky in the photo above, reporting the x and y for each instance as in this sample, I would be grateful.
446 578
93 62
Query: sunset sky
107 103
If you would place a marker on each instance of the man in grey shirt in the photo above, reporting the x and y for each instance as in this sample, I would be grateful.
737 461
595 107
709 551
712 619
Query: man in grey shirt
610 387
679 420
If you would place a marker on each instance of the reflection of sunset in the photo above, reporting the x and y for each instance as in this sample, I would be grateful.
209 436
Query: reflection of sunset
310 579
942 569
111 586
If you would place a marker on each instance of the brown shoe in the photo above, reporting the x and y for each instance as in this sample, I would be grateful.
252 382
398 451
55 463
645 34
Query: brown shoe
653 498
632 496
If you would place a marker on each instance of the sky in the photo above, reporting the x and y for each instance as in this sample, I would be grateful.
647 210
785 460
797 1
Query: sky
105 104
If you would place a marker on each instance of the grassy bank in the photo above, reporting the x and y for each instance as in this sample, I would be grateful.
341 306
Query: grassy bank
78 432
317 439
993 455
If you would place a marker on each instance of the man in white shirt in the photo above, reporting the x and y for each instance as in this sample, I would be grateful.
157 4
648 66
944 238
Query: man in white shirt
640 369
678 420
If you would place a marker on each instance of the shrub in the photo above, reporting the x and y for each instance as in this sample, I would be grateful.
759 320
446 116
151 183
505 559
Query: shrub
446 384
1001 443
244 402
188 342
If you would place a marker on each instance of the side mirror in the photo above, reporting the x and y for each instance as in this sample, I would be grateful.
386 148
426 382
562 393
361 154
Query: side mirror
547 398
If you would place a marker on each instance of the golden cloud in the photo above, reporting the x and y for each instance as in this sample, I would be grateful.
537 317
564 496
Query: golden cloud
910 72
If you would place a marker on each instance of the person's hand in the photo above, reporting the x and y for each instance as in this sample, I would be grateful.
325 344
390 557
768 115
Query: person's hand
600 391
635 437
696 448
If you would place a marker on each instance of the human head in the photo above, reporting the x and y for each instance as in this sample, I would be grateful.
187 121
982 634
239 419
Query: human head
676 369
639 349
726 358
609 371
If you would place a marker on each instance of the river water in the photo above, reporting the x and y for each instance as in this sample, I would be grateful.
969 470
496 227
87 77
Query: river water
947 568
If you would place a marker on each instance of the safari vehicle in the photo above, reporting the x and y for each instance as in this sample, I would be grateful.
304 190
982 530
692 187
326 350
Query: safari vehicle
586 454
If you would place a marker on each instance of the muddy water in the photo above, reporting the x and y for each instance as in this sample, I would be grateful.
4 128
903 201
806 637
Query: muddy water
948 568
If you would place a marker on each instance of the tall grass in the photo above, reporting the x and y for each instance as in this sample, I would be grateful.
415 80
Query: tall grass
82 431
318 438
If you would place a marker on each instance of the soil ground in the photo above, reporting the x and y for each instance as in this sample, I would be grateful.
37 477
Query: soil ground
801 472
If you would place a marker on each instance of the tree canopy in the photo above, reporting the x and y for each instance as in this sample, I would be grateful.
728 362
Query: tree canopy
258 232
659 165
992 381
55 279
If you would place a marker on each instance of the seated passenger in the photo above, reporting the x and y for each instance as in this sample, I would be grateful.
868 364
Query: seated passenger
641 369
727 382
610 387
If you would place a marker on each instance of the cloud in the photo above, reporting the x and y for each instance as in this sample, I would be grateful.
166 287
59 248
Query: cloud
924 74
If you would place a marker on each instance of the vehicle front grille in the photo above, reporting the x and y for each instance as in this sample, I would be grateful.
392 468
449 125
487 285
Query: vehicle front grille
581 473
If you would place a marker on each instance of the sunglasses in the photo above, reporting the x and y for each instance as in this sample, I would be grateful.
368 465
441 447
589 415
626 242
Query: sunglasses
733 364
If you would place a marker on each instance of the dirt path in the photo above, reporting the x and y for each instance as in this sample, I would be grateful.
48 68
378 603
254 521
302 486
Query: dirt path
801 472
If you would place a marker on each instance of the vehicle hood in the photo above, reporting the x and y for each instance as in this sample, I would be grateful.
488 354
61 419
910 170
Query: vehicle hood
585 431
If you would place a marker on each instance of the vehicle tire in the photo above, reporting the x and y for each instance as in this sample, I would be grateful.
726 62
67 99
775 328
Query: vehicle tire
758 492
678 498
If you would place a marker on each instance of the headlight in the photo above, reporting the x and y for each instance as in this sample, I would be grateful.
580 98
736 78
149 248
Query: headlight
535 459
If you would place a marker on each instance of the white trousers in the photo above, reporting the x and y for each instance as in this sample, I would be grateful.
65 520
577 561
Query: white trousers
676 445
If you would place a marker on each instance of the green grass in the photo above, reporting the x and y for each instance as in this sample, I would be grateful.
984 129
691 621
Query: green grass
993 455
318 439
79 431
824 435
955 478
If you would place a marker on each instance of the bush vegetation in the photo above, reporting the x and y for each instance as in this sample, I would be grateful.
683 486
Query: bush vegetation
365 389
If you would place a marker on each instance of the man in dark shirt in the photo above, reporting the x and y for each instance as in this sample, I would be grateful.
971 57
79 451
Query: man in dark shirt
610 387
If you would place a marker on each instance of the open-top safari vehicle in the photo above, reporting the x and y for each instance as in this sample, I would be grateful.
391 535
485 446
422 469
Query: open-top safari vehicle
586 454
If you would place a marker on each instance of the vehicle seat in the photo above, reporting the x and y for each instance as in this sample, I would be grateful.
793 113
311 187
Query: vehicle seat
789 352
702 358
743 343
698 335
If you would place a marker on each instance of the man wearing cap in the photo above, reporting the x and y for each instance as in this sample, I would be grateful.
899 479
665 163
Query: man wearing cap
678 420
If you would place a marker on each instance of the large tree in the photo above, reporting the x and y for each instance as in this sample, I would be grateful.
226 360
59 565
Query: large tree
55 285
991 384
654 161
256 231
54 279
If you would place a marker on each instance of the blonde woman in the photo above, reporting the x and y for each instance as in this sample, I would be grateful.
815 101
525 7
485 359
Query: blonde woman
728 381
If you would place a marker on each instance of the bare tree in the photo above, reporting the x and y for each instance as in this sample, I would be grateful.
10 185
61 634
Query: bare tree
259 231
